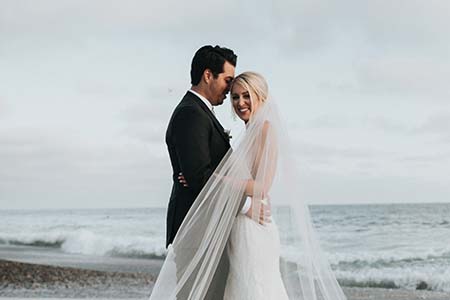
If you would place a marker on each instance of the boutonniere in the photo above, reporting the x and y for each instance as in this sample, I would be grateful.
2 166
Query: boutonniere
228 133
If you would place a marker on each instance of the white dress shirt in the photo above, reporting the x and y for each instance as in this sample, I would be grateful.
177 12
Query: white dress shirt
248 201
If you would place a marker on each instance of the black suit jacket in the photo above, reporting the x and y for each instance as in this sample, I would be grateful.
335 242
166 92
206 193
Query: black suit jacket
197 143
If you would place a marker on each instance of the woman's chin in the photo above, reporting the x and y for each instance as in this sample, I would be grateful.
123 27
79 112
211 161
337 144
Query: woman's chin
244 118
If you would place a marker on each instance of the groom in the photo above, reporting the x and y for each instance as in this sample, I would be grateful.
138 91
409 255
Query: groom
195 139
197 142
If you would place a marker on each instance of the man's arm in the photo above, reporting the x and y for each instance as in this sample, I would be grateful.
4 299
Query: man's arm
191 136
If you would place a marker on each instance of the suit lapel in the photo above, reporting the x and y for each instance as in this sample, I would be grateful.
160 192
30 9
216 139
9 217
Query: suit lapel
212 116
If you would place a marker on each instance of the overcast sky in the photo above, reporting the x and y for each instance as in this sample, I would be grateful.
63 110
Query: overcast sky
87 88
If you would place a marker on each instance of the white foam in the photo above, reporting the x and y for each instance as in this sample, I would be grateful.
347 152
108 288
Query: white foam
437 278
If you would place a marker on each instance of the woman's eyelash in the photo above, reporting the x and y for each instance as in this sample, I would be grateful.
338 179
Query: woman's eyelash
235 97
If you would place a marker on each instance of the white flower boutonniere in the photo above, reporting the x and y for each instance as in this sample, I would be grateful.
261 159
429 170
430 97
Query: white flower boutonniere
228 133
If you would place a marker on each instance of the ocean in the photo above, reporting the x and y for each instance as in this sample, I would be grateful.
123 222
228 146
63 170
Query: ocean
390 246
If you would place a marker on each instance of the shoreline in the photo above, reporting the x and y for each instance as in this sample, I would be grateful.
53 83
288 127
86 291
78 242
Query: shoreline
56 257
30 280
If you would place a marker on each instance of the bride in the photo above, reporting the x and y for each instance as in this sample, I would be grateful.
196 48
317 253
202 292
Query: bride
216 245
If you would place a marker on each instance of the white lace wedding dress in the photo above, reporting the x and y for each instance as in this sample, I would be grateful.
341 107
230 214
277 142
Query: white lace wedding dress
254 252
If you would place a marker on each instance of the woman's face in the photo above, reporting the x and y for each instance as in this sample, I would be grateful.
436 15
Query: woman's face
242 105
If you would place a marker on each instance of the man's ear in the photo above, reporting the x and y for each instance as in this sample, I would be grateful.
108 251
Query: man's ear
207 75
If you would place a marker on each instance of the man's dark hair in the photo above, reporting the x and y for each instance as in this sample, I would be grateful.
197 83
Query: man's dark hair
212 58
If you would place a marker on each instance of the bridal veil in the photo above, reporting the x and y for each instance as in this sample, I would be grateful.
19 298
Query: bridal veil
264 157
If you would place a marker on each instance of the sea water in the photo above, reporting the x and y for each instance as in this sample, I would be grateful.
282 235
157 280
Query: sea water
392 246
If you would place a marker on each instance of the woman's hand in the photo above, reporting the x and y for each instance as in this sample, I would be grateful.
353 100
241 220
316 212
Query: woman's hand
265 212
182 180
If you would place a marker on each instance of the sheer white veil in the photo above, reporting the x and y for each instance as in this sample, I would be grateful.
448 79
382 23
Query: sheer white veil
264 158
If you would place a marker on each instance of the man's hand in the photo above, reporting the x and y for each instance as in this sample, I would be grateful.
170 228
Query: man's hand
265 211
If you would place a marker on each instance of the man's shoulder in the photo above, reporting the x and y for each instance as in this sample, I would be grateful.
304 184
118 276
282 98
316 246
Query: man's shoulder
189 103
189 108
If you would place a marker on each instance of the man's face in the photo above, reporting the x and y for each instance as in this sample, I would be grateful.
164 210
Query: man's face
220 86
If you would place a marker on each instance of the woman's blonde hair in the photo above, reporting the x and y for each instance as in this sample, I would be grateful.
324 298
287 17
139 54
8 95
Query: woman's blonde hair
252 82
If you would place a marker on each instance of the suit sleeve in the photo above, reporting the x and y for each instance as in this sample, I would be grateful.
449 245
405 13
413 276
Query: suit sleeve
192 130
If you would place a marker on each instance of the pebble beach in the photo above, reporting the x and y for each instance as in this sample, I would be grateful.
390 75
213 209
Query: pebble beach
36 281
41 281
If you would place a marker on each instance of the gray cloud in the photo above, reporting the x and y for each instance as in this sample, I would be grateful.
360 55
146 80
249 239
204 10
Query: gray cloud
410 76
439 158
338 122
156 21
3 107
438 123
414 24
372 189
35 166
146 121
396 49
410 24
88 88
312 150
